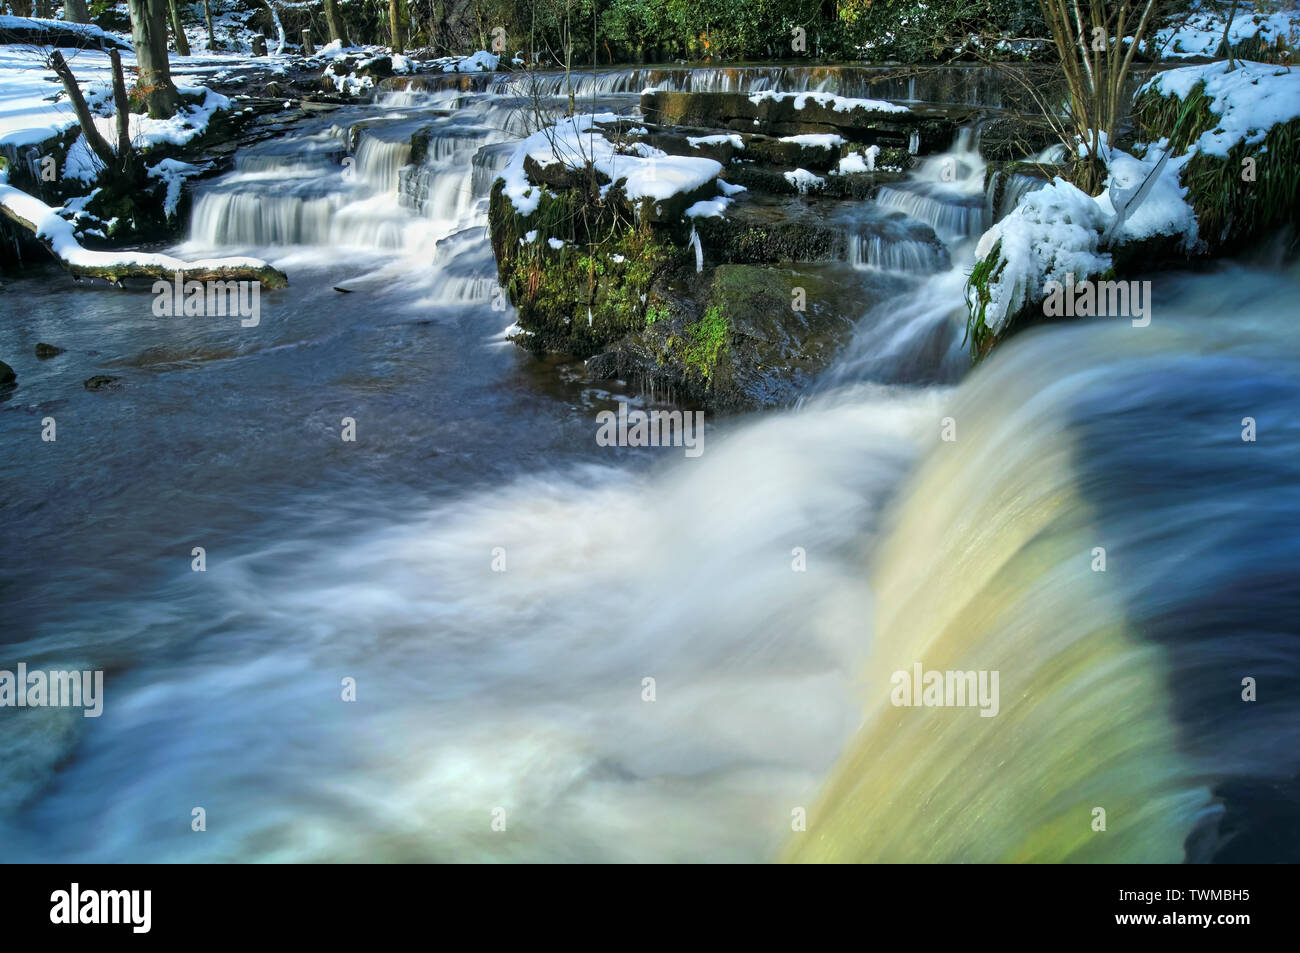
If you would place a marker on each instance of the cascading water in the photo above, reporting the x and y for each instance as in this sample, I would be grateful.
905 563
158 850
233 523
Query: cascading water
985 87
1120 682
946 192
522 689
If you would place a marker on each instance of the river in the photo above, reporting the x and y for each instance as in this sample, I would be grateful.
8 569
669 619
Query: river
500 588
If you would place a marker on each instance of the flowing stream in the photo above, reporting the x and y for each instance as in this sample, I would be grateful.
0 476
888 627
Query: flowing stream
480 691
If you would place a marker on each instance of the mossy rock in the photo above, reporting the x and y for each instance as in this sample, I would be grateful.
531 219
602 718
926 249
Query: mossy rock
733 341
888 159
772 151
592 290
754 233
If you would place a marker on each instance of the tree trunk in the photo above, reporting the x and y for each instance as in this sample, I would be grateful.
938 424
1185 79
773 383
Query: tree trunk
308 47
395 23
338 26
123 108
1227 28
178 29
74 11
84 119
207 15
149 34
45 9
21 8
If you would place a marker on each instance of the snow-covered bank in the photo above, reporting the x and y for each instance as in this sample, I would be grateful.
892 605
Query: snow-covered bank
1200 31
1215 125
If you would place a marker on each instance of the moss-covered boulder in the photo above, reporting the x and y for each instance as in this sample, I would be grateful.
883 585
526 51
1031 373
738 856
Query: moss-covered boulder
750 336
578 281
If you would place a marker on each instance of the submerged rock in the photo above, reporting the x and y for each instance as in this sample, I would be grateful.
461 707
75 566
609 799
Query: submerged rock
99 382
46 351
7 375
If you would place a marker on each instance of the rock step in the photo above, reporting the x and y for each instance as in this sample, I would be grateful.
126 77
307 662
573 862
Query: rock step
870 122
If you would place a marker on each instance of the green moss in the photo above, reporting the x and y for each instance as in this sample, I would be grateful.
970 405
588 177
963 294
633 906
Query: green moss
986 271
1230 211
706 340
578 298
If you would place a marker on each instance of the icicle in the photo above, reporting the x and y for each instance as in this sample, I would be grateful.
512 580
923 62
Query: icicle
699 251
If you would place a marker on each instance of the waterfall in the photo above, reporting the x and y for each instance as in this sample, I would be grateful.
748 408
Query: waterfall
954 85
1119 689
307 191
904 255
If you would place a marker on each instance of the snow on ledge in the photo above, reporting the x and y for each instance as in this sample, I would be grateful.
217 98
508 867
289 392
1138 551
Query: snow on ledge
576 141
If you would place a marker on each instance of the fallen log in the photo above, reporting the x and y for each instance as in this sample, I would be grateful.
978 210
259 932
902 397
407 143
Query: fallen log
29 31
57 235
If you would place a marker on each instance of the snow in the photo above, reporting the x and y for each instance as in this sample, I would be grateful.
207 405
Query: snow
174 173
89 30
837 103
576 141
717 140
1054 230
1058 229
556 243
827 140
81 165
864 161
480 62
1250 99
709 208
30 115
726 188
1165 210
804 181
1202 31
